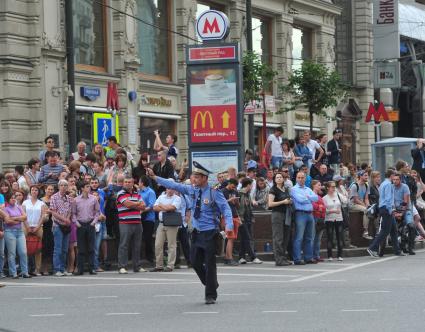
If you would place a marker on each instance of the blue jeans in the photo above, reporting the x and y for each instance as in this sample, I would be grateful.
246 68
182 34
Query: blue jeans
1 256
276 161
60 249
16 243
303 235
320 229
388 227
98 241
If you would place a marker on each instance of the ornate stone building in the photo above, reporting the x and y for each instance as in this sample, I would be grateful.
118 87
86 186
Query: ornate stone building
140 45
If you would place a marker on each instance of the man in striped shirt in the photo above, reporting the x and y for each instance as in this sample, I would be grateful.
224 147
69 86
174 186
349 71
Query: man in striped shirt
50 172
129 205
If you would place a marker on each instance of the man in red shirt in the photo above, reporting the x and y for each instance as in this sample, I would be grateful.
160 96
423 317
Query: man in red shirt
129 205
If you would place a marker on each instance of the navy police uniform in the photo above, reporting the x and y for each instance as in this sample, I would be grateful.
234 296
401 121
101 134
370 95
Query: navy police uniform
207 206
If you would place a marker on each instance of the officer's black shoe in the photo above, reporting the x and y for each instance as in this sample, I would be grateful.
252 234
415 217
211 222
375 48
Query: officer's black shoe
209 300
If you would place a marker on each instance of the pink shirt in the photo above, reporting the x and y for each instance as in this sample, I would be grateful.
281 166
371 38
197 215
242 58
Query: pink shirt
85 210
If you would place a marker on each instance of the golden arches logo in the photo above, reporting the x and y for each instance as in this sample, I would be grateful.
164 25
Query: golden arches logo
203 116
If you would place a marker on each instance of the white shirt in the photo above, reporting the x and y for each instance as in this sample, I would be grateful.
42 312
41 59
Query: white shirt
332 203
33 211
22 183
313 146
167 200
276 146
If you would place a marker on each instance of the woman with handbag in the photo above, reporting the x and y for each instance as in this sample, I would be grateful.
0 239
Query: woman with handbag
319 210
279 203
15 238
333 219
35 210
373 197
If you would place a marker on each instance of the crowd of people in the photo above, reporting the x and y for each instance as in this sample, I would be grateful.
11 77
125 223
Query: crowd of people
57 213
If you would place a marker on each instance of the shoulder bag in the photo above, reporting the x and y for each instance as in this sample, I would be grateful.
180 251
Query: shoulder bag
172 219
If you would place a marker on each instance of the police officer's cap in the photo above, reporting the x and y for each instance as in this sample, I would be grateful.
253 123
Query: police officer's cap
199 169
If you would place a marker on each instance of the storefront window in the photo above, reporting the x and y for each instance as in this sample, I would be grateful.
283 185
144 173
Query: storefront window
261 37
84 127
301 46
147 137
89 33
154 37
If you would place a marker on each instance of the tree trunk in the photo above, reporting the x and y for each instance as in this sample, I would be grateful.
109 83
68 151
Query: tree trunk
311 122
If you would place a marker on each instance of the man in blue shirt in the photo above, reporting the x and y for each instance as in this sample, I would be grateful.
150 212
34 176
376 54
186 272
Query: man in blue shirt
302 198
148 217
386 211
207 205
404 209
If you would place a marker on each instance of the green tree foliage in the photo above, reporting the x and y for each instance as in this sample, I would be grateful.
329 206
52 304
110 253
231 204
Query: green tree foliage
257 77
315 87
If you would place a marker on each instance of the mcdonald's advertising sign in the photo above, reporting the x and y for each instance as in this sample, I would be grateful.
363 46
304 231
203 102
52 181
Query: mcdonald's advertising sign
214 124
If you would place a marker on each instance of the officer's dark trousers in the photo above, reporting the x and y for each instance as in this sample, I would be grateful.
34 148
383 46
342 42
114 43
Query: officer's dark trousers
203 260
388 226
85 240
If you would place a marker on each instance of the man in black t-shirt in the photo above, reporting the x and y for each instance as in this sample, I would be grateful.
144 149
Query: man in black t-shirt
231 195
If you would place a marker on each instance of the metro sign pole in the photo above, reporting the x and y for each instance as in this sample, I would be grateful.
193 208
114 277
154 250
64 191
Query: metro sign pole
214 96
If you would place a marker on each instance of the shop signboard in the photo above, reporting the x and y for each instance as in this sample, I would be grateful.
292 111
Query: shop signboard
104 126
216 161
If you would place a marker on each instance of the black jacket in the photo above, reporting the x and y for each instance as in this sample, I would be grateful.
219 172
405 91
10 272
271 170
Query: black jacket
417 159
166 171
335 156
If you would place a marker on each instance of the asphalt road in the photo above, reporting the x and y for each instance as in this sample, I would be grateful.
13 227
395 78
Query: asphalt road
359 294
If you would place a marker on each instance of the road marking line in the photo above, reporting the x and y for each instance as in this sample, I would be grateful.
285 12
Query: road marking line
129 279
244 274
235 294
372 292
168 295
333 280
48 315
279 311
37 298
102 297
303 293
395 279
359 310
277 268
199 312
122 313
348 268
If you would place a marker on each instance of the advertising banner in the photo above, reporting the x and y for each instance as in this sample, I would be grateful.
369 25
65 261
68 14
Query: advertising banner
386 36
213 105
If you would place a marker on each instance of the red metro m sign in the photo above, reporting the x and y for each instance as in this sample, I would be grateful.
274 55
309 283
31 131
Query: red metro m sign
377 114
212 25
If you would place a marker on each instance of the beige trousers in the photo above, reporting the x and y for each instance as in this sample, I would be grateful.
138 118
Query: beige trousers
169 234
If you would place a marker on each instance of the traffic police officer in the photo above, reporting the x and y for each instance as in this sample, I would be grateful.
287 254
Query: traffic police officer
207 205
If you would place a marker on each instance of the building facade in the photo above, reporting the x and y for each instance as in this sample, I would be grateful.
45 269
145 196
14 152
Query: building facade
140 45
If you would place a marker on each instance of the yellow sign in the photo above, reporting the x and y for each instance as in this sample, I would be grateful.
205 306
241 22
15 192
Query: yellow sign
104 126
203 116
393 116
225 118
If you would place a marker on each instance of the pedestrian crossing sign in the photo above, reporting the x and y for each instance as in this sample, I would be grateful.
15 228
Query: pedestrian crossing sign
104 126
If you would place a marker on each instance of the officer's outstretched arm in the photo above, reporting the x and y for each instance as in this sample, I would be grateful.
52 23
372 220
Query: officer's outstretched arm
170 184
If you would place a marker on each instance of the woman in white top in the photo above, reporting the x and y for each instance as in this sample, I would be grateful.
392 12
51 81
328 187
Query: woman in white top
288 158
333 219
35 210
